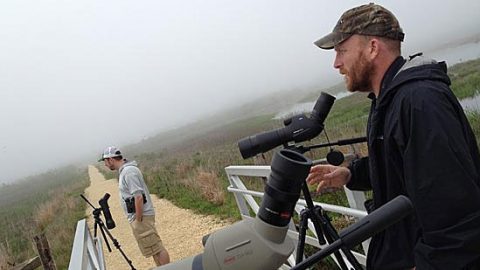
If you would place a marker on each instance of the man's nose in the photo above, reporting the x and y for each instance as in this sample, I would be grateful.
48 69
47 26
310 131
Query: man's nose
337 63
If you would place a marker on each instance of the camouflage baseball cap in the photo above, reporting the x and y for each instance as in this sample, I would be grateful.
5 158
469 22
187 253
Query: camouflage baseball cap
369 20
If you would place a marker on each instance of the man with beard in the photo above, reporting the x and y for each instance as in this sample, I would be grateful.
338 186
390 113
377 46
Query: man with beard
420 145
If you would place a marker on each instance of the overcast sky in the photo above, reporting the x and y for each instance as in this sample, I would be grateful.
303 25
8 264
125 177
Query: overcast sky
79 75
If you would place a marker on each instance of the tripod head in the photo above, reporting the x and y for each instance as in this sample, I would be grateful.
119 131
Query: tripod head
334 157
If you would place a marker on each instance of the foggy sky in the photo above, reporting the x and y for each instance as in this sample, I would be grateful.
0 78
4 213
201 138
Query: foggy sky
77 76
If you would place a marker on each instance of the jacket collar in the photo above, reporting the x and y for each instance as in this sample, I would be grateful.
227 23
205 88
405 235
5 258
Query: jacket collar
402 71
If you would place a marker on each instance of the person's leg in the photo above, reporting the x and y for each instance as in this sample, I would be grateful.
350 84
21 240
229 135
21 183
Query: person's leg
148 240
161 257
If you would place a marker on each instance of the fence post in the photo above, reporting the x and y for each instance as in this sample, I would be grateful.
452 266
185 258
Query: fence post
44 252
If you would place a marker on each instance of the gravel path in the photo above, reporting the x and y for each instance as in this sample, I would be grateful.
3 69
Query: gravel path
181 230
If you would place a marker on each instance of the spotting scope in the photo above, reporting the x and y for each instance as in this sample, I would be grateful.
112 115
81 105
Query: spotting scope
259 243
297 129
103 202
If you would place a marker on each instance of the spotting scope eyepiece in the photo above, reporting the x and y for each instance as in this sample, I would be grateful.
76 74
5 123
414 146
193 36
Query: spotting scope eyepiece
298 128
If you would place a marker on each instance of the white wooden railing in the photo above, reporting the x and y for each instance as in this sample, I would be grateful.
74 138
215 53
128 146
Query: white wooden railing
87 252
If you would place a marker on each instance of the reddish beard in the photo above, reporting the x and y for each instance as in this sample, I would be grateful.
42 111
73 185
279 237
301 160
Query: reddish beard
360 75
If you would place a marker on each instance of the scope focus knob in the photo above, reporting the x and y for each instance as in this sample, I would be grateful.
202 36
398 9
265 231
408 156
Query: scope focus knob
287 121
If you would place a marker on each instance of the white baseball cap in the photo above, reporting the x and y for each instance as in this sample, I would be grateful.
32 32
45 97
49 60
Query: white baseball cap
110 152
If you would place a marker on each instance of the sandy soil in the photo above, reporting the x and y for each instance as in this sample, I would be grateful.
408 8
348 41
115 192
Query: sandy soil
181 230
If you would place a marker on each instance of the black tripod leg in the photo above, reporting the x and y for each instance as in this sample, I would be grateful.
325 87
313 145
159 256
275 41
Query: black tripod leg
315 219
302 232
126 258
321 223
95 229
115 242
318 224
333 236
328 235
102 230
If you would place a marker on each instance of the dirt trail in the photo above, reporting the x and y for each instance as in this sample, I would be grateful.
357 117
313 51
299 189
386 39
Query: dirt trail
181 230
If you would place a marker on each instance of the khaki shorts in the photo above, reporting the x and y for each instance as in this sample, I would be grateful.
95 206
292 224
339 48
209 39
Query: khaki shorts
147 236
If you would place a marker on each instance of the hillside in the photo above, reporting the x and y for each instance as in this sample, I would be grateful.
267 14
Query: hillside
253 111
255 116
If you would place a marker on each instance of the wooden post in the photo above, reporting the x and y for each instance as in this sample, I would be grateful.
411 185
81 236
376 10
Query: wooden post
44 252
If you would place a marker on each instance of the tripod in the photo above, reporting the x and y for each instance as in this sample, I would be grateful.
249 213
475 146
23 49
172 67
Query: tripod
320 219
103 229
323 227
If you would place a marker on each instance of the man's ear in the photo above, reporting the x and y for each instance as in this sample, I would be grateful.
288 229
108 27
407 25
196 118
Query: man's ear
374 48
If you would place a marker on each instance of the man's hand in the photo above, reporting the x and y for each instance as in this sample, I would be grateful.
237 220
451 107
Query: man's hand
139 207
328 176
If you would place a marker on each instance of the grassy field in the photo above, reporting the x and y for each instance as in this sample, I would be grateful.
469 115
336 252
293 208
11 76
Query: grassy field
48 203
465 78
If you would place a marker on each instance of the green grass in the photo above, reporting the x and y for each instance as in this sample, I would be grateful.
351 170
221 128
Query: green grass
165 181
27 209
474 119
465 78
107 173
348 117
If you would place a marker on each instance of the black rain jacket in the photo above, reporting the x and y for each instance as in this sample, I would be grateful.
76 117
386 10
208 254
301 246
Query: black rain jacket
422 146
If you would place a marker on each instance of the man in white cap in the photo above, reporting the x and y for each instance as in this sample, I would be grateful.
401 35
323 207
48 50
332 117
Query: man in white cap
137 205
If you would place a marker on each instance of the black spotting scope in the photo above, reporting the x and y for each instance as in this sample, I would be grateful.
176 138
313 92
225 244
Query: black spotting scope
297 128
106 211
